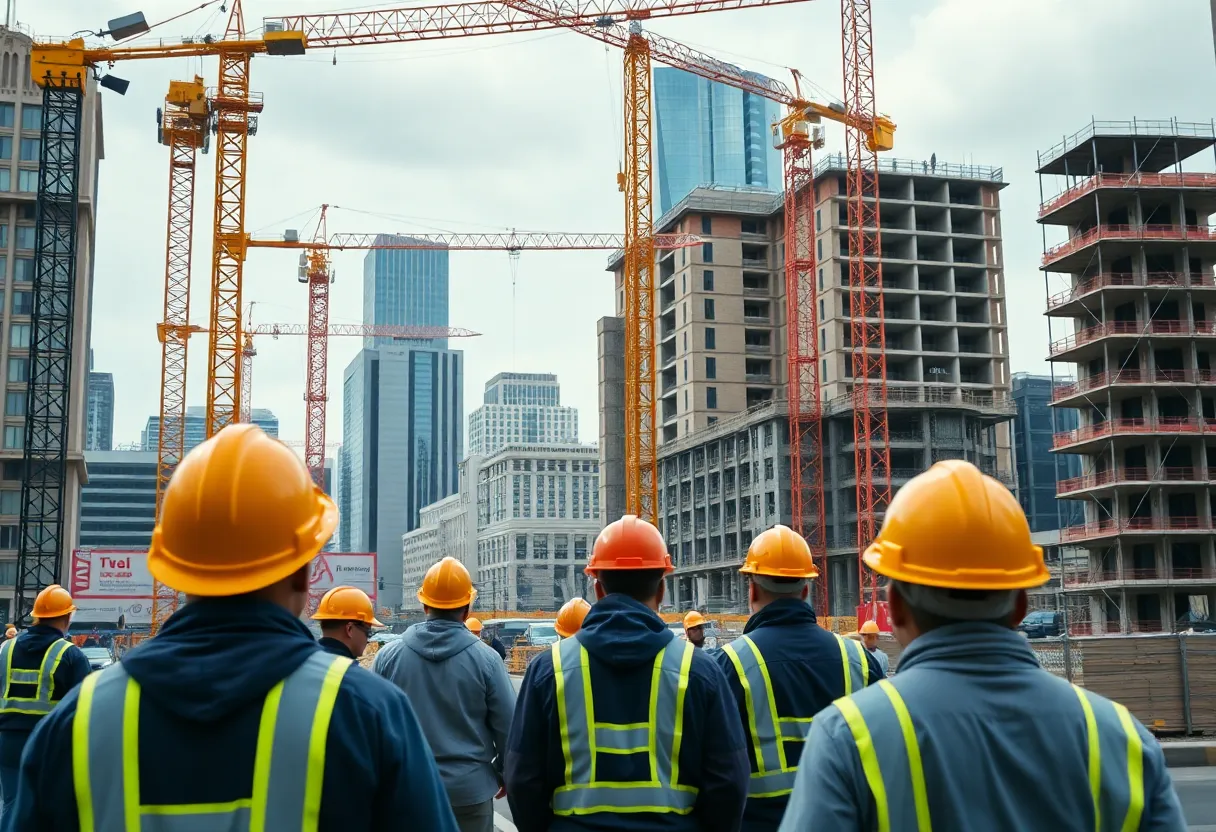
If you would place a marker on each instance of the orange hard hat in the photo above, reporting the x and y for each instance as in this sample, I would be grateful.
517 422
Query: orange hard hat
474 625
779 552
240 514
447 586
870 628
629 543
694 619
570 617
53 602
955 528
346 603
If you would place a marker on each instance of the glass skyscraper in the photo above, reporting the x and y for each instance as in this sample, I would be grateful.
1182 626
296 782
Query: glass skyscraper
1038 469
99 410
711 134
405 287
196 427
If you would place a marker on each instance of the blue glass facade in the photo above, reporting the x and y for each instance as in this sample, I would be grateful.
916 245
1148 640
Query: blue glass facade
1038 469
196 427
405 287
709 133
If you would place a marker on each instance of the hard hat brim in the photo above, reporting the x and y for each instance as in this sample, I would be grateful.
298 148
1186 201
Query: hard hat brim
812 572
886 560
238 580
70 608
563 632
434 604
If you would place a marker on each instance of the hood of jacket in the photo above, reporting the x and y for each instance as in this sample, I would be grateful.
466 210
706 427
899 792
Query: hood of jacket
39 637
438 640
620 631
970 648
784 612
214 655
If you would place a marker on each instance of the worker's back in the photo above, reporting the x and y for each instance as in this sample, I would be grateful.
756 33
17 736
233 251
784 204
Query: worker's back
201 694
622 639
1003 744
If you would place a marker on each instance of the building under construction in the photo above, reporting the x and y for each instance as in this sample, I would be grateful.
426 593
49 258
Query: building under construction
722 362
1132 292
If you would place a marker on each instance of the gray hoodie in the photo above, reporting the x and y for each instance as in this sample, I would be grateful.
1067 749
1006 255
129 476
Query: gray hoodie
464 700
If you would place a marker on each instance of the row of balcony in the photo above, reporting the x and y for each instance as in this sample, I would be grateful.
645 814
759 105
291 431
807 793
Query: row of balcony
1168 280
1132 329
1111 527
1134 476
1128 180
1133 426
1100 233
1152 574
1133 376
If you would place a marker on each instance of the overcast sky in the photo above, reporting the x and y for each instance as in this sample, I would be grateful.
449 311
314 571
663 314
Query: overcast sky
523 131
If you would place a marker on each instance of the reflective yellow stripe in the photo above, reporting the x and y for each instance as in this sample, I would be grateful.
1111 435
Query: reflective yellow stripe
317 742
916 769
1135 770
198 808
80 757
624 726
750 701
130 756
869 759
772 703
559 682
1095 757
589 706
641 749
844 663
865 664
678 737
261 759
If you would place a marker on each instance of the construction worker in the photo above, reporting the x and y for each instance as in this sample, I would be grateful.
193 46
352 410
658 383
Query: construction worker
347 618
40 666
570 617
474 625
232 717
694 629
623 726
869 637
971 733
460 691
784 669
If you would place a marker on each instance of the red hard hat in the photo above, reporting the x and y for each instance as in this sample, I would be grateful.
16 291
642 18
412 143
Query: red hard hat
629 543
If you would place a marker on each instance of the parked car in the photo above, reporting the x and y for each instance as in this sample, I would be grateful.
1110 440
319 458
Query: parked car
510 631
711 633
540 634
1043 624
99 657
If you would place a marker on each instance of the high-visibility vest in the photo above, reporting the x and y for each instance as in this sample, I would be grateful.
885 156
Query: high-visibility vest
584 737
886 742
42 680
288 768
774 776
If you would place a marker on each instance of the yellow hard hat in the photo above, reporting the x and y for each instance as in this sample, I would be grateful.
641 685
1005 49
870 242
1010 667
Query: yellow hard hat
870 628
240 514
447 586
780 552
53 602
955 528
474 625
694 619
570 617
346 603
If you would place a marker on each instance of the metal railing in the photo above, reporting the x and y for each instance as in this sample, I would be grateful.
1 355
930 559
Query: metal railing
1128 180
1112 427
1202 233
984 173
1137 127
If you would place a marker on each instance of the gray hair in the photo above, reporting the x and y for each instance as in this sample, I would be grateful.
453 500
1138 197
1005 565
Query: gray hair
963 605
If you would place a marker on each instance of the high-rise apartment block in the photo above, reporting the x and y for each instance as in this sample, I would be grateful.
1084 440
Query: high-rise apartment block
405 287
1038 469
196 427
402 438
521 408
20 149
99 410
708 133
1136 317
721 346
118 505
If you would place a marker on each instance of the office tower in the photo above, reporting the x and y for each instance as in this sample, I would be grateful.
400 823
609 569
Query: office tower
520 409
1133 309
405 287
118 504
99 410
196 427
707 133
721 354
20 148
1038 469
402 415
538 515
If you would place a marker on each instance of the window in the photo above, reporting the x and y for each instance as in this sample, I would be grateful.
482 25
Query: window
6 147
18 369
30 150
709 281
707 252
23 303
6 179
685 340
823 339
685 401
683 284
822 316
19 336
707 226
6 115
711 398
711 338
14 405
8 568
709 309
3 237
31 117
711 367
27 181
819 249
10 502
684 312
14 436
23 270
686 369
821 280
25 236
818 218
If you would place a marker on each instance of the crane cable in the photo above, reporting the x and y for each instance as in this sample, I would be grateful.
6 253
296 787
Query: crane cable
513 259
